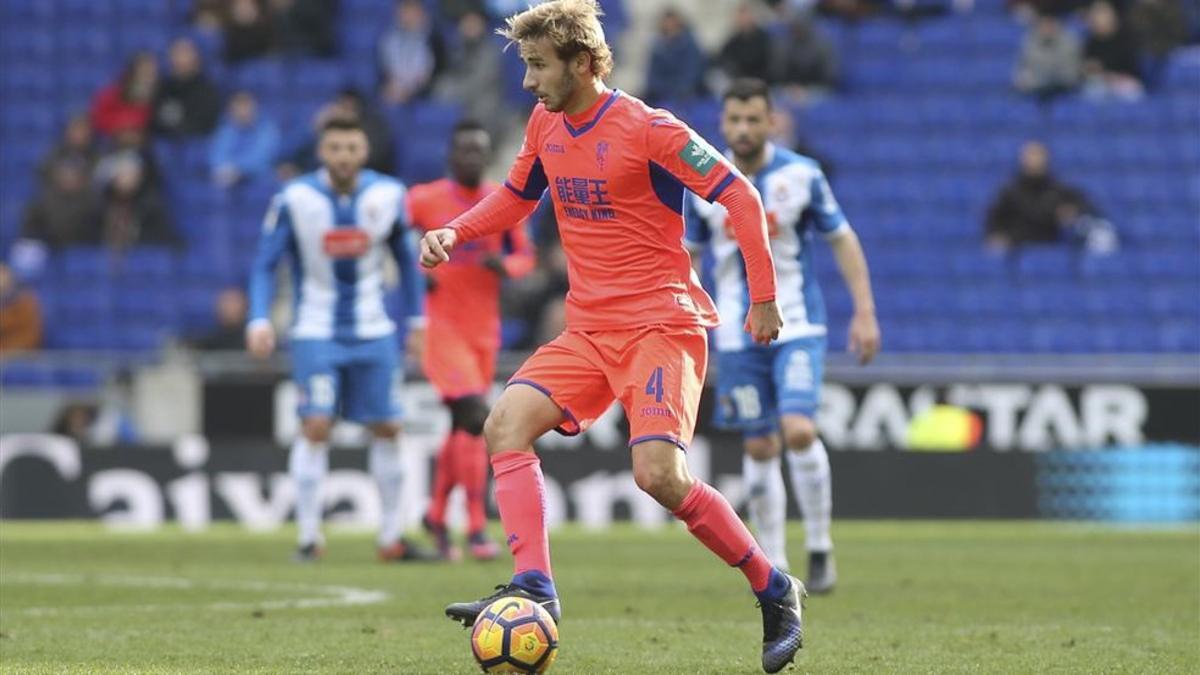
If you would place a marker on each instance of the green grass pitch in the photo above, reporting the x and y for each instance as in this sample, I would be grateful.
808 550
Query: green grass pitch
915 597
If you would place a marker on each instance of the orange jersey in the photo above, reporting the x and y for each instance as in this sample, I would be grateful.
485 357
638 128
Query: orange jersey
617 175
465 294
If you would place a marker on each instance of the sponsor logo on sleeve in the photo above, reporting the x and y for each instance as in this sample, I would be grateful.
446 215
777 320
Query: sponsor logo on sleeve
698 156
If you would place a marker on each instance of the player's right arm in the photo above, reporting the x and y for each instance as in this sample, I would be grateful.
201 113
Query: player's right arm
502 210
277 239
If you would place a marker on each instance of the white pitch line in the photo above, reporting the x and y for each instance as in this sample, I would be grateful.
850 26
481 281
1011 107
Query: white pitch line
325 596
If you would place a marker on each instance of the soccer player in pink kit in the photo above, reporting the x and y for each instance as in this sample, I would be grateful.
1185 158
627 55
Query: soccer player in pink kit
617 171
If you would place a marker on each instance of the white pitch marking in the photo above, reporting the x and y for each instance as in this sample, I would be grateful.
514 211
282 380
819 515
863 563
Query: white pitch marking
326 596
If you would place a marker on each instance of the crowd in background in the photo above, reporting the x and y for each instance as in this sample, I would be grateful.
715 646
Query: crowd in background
100 184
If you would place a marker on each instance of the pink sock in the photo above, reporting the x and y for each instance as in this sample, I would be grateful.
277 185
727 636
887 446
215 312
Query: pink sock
712 520
521 496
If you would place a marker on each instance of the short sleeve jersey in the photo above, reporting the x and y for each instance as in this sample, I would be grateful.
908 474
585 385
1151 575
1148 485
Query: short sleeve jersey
617 175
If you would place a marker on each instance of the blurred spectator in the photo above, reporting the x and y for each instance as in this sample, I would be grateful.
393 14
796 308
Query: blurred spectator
76 145
101 423
1111 60
65 210
187 103
131 211
849 10
1050 61
128 144
20 315
677 64
76 421
245 145
411 54
805 64
300 156
1160 26
747 52
473 77
230 332
206 15
305 27
1037 208
127 102
1031 9
248 32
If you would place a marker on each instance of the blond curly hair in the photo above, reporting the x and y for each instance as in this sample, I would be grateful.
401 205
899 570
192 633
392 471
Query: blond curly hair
573 27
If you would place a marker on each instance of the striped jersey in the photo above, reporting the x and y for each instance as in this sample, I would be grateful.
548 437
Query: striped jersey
799 203
336 244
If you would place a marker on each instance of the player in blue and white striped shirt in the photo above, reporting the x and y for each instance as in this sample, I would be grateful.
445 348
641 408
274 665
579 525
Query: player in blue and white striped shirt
337 225
765 390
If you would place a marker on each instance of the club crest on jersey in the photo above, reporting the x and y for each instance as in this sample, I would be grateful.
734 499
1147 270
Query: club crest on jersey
346 242
602 154
697 156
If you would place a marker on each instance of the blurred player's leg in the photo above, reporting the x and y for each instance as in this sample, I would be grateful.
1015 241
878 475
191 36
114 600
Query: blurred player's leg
813 485
767 497
470 413
444 479
474 468
308 464
371 396
318 376
385 464
798 370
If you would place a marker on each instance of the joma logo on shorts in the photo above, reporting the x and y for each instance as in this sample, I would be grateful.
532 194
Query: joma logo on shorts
656 411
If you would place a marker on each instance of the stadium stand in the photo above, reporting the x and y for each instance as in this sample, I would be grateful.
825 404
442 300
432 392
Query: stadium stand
922 135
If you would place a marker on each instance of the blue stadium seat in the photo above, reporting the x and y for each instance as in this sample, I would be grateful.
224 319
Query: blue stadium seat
25 375
148 264
84 262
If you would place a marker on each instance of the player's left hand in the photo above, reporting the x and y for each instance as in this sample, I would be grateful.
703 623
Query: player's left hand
764 322
436 246
864 336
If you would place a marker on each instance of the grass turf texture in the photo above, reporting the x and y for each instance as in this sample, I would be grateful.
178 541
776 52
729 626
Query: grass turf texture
914 597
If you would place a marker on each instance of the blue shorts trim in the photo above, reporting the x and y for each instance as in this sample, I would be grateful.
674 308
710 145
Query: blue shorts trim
658 437
563 429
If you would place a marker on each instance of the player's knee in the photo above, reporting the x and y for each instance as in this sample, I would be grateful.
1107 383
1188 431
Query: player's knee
469 414
666 482
762 447
799 432
502 431
316 429
385 429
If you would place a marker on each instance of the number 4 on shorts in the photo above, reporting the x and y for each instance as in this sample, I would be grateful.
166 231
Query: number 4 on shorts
654 385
